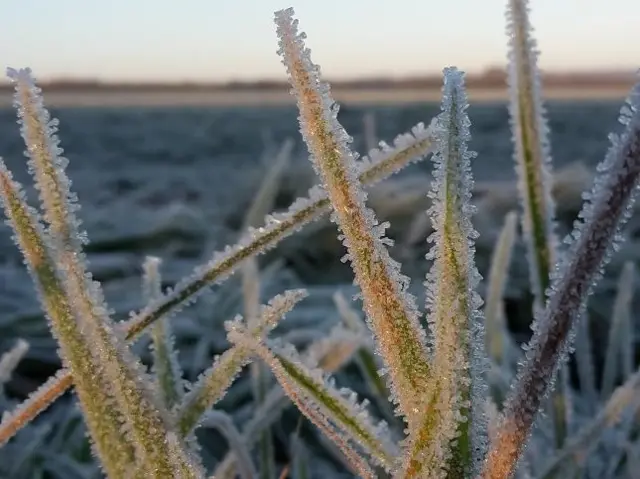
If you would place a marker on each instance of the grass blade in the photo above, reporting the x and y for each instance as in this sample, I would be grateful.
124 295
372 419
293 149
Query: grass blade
498 274
330 352
607 208
533 166
214 382
148 428
166 368
309 386
103 419
456 395
381 163
391 310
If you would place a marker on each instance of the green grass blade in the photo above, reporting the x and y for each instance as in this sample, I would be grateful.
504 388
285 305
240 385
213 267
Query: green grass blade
498 274
214 382
101 414
614 367
166 368
309 385
148 427
533 166
381 163
331 353
456 396
391 310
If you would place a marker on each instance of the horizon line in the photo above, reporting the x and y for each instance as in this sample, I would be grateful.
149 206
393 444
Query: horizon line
491 74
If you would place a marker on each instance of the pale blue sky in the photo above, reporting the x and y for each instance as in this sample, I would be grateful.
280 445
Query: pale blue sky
215 40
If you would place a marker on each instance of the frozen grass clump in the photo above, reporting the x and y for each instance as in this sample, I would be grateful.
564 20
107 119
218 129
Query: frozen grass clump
453 395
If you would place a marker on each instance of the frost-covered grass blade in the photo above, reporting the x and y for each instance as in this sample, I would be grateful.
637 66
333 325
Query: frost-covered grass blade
380 163
496 329
166 368
606 209
9 360
534 168
619 359
309 384
391 310
103 418
331 353
214 382
224 423
131 391
455 398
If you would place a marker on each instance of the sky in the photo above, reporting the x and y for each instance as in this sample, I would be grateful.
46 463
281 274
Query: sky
222 40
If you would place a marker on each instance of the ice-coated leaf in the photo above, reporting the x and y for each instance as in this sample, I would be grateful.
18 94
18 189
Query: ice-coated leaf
532 150
166 367
38 401
9 360
330 352
223 423
454 402
607 207
214 382
620 340
297 387
101 415
498 274
309 385
533 166
407 147
145 421
46 163
354 462
391 310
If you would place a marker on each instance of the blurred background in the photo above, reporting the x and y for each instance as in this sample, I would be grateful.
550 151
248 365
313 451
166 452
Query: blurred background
171 114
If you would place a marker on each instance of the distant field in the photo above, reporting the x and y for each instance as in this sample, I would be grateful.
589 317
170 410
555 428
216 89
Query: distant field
113 97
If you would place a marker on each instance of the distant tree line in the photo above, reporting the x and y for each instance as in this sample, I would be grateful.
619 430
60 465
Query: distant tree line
493 78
